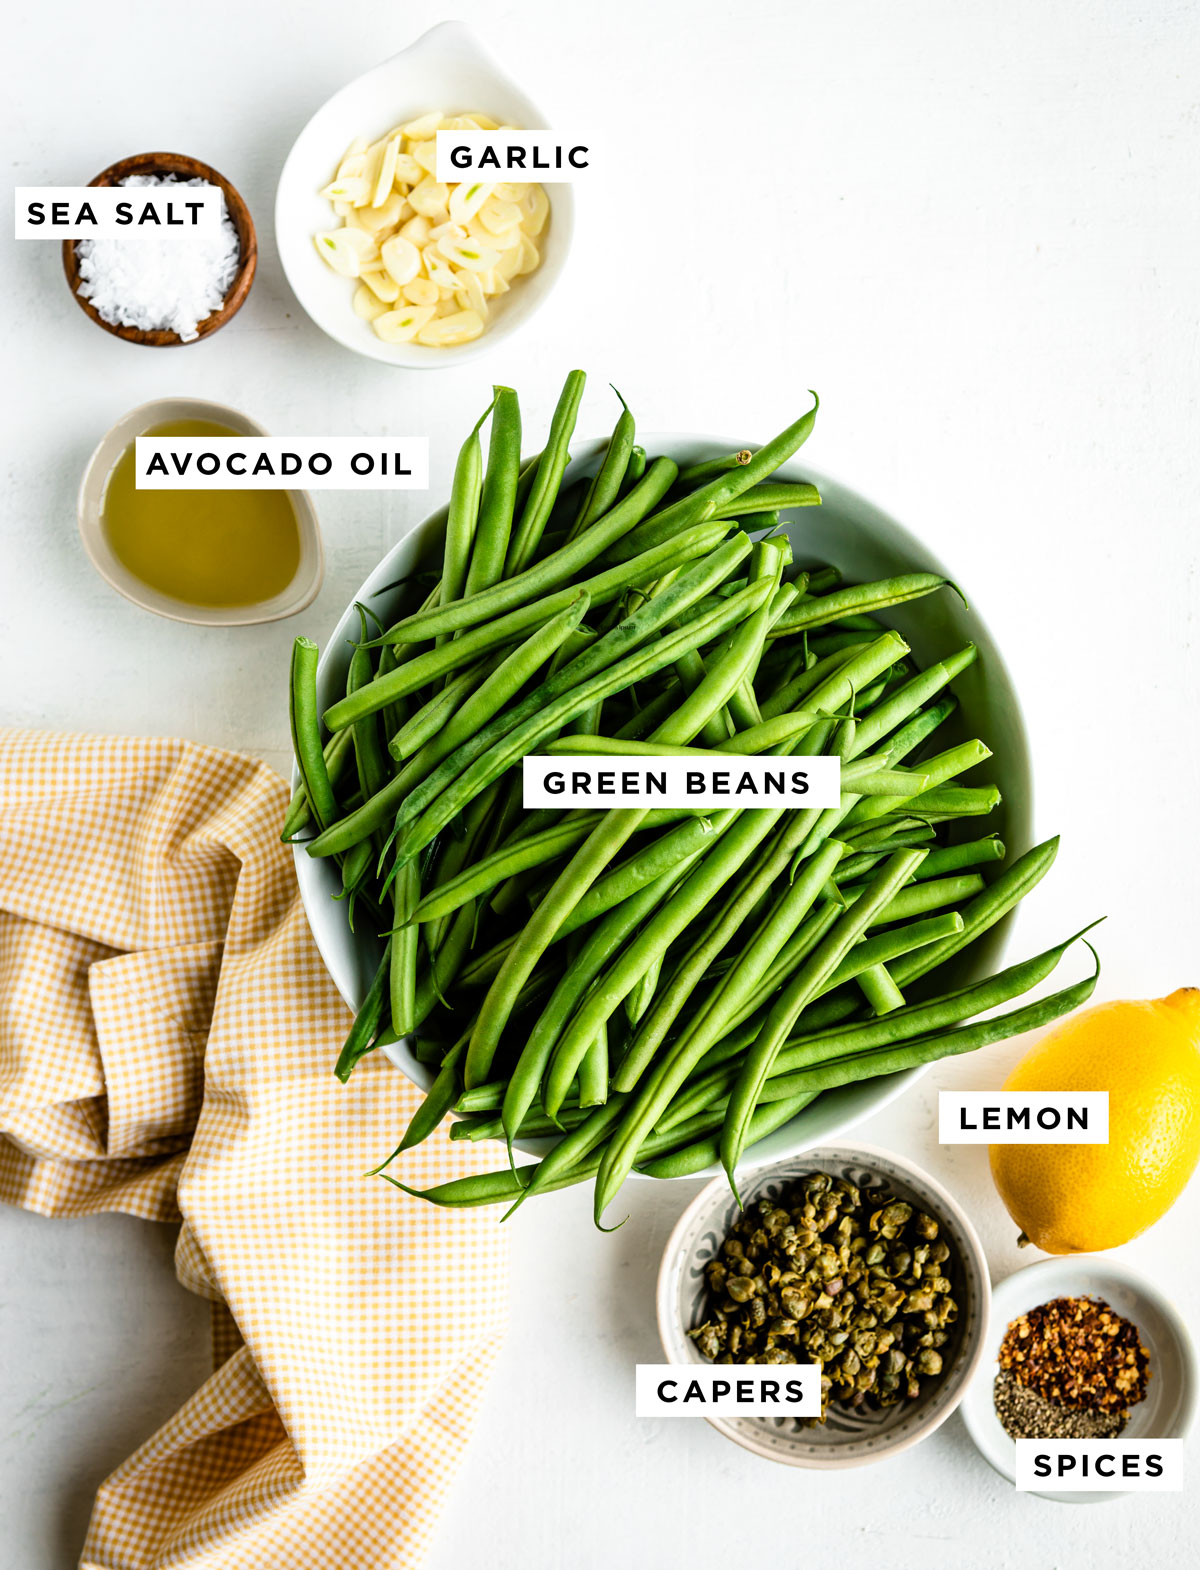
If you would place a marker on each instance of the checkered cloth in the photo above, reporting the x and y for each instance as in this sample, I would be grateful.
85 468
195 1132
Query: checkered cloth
167 1039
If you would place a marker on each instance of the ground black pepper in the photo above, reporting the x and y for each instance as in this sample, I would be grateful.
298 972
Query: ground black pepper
1024 1414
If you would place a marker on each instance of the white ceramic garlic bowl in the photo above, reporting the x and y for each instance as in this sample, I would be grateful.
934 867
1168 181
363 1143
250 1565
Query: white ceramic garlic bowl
866 544
447 68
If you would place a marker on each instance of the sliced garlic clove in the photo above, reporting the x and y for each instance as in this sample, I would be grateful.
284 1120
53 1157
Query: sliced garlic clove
512 190
467 199
439 269
401 258
367 304
346 250
422 291
347 188
416 230
426 155
387 172
401 325
447 331
408 171
530 256
468 253
429 198
425 126
536 208
498 217
470 295
382 285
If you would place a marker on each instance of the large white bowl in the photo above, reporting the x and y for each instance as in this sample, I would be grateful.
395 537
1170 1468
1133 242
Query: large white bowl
447 68
866 544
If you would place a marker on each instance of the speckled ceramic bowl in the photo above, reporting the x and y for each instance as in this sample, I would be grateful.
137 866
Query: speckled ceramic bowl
846 1438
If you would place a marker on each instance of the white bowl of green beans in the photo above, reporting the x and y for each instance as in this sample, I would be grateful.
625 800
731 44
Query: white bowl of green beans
862 1041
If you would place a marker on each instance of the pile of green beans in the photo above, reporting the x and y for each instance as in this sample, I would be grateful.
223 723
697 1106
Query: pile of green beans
660 988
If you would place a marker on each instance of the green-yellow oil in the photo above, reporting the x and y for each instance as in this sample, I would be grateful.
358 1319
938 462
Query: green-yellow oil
217 548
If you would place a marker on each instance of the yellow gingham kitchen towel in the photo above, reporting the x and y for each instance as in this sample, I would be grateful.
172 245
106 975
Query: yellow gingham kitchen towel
167 1040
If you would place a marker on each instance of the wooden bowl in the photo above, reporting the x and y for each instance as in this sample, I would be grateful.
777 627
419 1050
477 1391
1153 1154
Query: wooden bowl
184 169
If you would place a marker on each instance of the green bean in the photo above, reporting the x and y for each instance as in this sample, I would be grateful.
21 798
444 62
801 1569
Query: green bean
526 478
800 990
593 1071
536 1126
517 856
528 533
726 487
634 470
605 490
364 1030
885 947
439 1099
370 758
822 579
912 696
463 513
338 752
697 473
946 766
880 991
418 831
956 801
790 693
920 1019
426 668
694 835
430 718
756 739
306 733
403 983
927 1049
772 499
585 864
550 573
984 910
604 941
757 955
497 498
817 612
951 857
695 1157
926 894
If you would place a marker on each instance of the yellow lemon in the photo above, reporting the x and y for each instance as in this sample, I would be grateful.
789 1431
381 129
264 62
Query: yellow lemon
1073 1199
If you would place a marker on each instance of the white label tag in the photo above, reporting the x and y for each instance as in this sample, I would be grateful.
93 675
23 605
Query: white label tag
999 1117
516 156
87 212
727 1390
1093 1466
281 463
638 781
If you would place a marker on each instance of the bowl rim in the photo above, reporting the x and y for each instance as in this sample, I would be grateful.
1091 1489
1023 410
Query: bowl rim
583 451
672 1262
239 213
443 36
1057 1271
88 508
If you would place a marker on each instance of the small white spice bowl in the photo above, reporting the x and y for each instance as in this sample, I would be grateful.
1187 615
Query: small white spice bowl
1169 1410
310 569
449 69
846 1438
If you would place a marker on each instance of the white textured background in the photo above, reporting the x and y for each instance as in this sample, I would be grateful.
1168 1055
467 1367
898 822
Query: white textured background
973 227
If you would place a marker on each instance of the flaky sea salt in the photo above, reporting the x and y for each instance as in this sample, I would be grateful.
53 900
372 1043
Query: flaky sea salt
160 279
